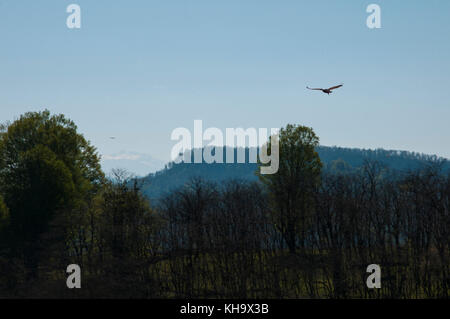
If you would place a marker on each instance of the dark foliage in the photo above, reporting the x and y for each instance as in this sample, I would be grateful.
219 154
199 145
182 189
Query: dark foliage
302 233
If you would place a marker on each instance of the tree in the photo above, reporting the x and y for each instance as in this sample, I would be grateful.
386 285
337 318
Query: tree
292 188
4 217
127 242
46 168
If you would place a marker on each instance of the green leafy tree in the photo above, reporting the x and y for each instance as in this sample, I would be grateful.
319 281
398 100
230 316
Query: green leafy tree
127 246
339 166
292 188
46 168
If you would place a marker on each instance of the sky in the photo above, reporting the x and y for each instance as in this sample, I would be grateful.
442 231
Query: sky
136 70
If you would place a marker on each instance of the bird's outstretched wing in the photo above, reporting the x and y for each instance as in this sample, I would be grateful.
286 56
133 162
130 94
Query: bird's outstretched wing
335 87
313 89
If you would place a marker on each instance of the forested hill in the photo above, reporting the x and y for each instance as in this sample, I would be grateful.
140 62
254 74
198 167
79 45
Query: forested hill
334 159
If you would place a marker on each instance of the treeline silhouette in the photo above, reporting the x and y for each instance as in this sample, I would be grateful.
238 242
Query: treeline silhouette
219 241
304 232
223 241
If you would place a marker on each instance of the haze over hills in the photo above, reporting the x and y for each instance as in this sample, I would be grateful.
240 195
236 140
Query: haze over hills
136 163
335 159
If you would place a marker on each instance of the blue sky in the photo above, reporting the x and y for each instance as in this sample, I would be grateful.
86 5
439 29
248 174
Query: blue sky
137 70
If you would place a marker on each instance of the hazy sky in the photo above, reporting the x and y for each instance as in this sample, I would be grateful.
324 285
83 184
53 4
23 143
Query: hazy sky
137 70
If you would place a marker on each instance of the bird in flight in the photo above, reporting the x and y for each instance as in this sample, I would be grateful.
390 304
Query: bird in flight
327 91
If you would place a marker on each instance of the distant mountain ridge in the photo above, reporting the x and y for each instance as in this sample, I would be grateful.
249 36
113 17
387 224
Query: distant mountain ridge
334 159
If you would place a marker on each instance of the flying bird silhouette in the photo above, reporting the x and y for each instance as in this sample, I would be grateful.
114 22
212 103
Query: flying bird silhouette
327 91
